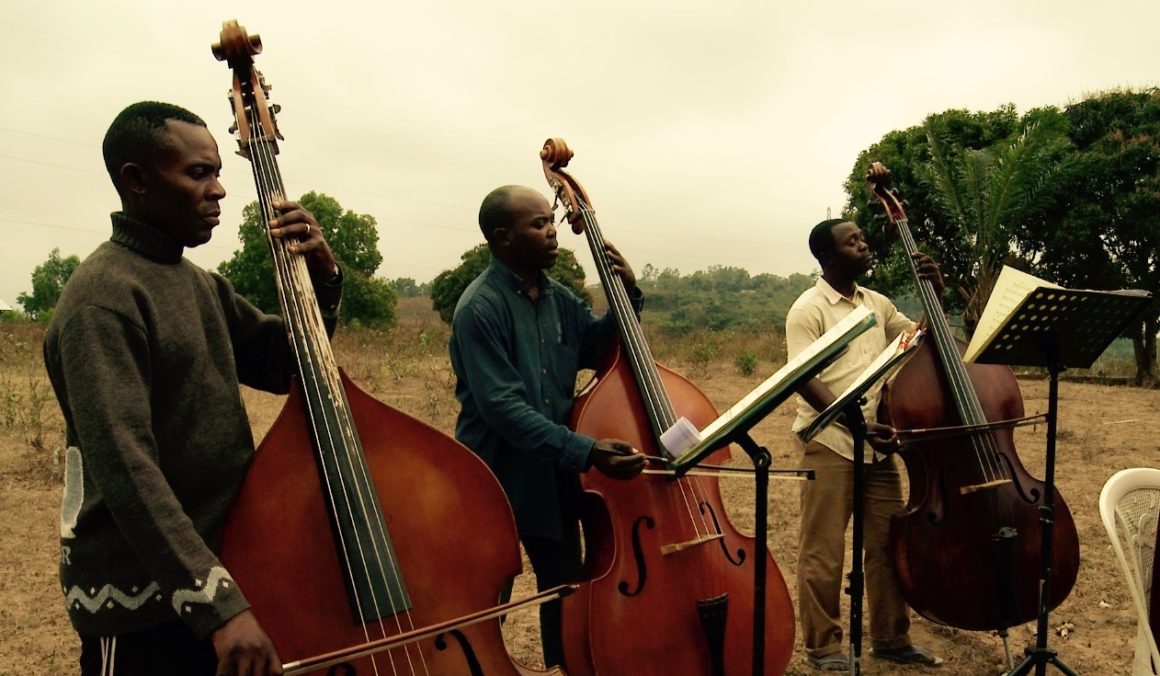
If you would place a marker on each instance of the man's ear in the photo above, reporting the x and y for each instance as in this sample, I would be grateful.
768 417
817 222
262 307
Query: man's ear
133 178
501 237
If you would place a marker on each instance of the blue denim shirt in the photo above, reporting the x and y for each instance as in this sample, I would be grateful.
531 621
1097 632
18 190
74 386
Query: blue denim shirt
515 363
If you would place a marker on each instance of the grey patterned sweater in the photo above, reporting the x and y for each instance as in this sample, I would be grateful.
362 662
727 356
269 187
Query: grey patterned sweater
145 353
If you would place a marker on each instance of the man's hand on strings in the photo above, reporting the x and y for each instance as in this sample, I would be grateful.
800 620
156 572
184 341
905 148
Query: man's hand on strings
306 238
617 459
620 266
928 270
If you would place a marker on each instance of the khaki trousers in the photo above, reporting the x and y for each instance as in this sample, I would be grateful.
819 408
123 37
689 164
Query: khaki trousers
827 506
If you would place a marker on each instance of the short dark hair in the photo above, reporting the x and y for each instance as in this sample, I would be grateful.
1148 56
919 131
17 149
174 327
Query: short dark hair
136 134
494 212
822 236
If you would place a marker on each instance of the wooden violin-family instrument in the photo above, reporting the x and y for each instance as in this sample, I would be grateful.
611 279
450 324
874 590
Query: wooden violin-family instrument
365 540
967 549
668 584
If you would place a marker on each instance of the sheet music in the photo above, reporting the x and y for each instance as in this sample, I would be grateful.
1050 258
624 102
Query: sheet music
1011 289
804 357
907 340
877 373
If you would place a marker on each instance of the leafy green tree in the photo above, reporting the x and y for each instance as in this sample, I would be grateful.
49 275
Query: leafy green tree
406 287
992 195
1073 195
971 183
449 285
369 301
48 280
719 298
352 237
1105 232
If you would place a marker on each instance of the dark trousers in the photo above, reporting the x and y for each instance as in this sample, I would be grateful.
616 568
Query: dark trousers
170 648
554 563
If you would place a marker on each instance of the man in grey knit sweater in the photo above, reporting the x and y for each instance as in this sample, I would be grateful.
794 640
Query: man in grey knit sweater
145 352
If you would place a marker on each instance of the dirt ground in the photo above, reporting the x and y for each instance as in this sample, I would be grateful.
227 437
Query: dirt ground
1102 429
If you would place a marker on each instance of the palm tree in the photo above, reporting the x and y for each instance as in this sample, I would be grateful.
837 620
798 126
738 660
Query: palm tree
989 195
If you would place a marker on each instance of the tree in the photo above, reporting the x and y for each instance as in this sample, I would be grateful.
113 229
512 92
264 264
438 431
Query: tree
48 281
1105 232
369 301
1073 195
449 285
993 194
972 183
352 237
406 287
719 298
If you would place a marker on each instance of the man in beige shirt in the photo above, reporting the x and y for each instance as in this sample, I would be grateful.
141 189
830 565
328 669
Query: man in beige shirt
827 502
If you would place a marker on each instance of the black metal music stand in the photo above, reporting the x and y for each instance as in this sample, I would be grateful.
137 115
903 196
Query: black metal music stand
1057 329
762 459
735 429
849 405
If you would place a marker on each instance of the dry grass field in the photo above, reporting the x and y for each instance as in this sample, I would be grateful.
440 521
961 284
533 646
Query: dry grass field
1102 429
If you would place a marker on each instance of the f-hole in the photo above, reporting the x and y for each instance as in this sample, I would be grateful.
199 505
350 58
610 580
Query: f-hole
474 669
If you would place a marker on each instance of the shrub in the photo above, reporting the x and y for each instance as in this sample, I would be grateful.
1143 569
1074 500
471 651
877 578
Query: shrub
746 363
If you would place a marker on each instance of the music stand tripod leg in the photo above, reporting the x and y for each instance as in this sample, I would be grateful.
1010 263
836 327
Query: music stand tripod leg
856 423
1040 655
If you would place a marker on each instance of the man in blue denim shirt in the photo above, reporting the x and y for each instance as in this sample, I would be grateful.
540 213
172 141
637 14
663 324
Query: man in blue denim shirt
518 340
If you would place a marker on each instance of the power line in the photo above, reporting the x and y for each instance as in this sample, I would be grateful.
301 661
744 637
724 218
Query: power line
54 226
53 138
305 182
50 164
91 231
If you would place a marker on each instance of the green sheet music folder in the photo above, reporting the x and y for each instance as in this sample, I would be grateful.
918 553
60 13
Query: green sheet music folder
753 407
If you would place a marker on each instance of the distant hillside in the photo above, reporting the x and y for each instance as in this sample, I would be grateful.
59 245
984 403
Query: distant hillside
718 299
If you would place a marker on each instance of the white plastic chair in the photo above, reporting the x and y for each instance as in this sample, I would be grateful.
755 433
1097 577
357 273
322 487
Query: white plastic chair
1130 508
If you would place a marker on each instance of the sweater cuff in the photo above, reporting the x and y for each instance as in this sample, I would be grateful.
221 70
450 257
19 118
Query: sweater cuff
210 603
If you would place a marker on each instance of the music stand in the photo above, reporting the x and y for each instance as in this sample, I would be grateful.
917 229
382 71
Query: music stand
1057 329
849 404
733 427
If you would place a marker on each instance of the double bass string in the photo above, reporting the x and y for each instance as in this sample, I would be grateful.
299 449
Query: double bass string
266 174
986 452
318 371
299 301
660 408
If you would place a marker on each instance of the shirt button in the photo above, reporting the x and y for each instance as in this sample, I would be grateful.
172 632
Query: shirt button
544 371
547 401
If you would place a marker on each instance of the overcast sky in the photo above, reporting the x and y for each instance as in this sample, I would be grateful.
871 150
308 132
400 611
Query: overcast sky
705 132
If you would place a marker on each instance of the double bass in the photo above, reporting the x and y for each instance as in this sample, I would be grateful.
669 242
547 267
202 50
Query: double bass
366 541
668 580
967 548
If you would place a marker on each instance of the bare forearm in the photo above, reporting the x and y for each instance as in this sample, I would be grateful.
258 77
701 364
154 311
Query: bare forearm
816 394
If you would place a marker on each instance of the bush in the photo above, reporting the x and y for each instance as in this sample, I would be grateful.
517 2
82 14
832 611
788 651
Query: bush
746 363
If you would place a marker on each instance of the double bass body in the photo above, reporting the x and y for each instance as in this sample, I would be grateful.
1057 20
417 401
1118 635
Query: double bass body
446 514
659 592
967 548
669 582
